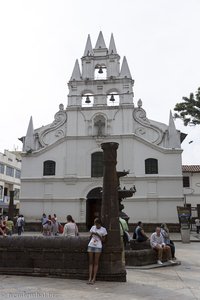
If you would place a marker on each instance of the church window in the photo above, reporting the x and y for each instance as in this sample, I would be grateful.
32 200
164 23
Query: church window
97 164
186 181
49 168
151 166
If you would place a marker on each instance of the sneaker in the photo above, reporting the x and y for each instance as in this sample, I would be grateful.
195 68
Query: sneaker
159 262
171 261
174 258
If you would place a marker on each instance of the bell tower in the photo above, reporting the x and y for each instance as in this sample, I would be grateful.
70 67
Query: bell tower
102 82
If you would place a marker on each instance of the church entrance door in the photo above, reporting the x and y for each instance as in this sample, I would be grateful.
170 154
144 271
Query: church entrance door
93 206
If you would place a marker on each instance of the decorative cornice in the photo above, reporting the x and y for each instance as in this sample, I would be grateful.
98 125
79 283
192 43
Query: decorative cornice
106 138
39 199
75 179
160 198
133 199
153 177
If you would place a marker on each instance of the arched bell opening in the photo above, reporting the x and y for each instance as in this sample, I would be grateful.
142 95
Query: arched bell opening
87 100
113 99
100 72
93 206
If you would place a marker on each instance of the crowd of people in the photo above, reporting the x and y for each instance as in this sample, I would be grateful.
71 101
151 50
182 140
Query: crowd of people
8 227
50 226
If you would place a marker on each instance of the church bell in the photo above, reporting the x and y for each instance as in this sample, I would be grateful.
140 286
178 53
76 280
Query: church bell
100 70
112 98
87 100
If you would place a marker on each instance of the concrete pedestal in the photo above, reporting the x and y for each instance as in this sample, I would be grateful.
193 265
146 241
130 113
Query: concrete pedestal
185 235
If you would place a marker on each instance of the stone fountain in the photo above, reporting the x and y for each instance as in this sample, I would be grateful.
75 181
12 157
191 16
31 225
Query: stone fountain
124 193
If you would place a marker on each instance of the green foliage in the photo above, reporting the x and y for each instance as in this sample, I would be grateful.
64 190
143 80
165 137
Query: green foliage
189 110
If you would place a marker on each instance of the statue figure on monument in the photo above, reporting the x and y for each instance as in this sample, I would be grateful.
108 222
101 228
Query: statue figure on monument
99 124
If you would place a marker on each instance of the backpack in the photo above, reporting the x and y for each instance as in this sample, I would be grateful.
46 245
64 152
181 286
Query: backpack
22 223
126 237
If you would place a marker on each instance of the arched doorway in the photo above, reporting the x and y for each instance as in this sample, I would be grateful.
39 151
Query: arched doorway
93 206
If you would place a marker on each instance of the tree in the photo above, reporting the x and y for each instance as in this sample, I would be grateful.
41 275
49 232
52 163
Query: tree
189 110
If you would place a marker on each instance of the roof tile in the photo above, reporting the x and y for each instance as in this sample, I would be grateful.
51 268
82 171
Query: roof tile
191 168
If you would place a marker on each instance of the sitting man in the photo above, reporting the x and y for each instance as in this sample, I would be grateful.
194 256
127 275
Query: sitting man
140 235
157 243
167 241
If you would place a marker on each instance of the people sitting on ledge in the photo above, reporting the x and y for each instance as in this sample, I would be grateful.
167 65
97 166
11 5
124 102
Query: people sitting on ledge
167 241
139 233
2 227
158 244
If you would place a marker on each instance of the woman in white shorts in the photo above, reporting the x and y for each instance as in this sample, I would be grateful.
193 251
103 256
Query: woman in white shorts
98 234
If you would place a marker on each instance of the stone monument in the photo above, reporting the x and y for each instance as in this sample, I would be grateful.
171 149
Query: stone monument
111 265
124 193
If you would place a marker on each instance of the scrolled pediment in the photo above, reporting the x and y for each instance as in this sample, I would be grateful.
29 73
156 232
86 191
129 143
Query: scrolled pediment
55 131
143 127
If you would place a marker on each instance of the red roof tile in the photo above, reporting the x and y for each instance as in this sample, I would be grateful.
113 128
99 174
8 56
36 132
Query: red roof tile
191 168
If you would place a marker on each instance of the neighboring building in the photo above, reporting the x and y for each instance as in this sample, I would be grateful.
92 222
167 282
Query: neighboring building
62 164
191 184
10 174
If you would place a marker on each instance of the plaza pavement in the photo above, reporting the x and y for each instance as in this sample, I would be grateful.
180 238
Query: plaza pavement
172 282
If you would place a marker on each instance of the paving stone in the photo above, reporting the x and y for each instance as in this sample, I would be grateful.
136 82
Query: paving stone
171 282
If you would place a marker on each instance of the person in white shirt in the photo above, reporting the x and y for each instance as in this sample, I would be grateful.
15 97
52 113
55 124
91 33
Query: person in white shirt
98 234
157 243
197 222
20 224
70 228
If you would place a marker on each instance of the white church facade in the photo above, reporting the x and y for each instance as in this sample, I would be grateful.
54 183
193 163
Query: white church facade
62 161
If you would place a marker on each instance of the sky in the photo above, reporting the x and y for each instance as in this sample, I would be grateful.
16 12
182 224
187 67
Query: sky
41 39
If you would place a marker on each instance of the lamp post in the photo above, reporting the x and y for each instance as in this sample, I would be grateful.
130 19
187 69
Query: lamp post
11 206
1 193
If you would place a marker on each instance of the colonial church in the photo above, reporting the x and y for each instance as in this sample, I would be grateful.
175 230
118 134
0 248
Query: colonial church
62 163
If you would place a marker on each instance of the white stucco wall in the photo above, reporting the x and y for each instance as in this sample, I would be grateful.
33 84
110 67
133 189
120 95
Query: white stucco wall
65 193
